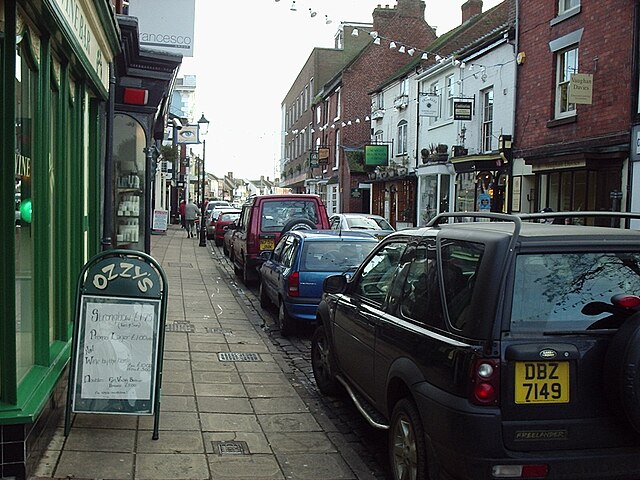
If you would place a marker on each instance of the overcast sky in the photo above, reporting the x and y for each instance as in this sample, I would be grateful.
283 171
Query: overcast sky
248 53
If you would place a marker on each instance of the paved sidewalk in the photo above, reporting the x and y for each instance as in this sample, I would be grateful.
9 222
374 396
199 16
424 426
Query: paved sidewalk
237 418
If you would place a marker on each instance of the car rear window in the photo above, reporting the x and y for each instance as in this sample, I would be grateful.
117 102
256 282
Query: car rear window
550 290
328 256
229 217
277 213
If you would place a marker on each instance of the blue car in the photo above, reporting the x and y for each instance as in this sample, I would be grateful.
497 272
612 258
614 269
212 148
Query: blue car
291 276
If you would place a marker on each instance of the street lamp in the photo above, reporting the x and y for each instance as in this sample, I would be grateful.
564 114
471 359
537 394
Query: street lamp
203 124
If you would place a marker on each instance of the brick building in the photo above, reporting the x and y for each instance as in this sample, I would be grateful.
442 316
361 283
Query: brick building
297 111
340 123
578 147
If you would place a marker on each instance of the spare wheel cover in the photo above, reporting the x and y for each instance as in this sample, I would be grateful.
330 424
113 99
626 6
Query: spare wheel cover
622 371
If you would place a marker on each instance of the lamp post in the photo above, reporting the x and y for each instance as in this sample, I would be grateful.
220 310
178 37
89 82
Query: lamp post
203 124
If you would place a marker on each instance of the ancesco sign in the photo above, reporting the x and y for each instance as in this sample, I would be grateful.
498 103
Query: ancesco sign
165 25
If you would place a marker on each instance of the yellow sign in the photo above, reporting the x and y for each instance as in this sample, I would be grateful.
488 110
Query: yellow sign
581 88
542 382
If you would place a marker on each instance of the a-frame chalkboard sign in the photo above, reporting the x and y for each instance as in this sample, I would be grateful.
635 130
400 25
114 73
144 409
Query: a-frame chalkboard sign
118 337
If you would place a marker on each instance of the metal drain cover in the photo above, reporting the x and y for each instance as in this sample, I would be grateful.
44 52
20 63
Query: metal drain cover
181 264
183 327
231 448
238 357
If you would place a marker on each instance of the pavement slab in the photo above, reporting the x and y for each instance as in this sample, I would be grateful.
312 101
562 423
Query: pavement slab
243 417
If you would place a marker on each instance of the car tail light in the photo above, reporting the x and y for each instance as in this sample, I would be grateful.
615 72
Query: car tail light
485 381
293 284
520 471
626 301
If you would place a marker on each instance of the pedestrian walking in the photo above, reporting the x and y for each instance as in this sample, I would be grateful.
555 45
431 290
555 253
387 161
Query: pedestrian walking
181 211
190 214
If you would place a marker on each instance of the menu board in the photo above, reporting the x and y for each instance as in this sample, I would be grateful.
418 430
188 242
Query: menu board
116 356
160 220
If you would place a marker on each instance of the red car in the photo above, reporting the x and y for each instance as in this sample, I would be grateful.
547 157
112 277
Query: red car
222 224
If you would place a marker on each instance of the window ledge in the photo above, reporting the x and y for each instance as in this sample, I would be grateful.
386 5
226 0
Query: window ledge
556 122
565 15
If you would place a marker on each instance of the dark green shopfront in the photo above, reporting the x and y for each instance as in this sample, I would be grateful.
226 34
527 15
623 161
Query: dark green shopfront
54 84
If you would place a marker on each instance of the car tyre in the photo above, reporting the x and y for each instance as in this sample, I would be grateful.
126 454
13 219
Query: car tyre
264 298
218 242
323 364
621 373
298 224
407 445
247 279
285 322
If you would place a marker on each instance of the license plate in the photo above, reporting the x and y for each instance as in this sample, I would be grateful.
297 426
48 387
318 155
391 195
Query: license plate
267 244
542 382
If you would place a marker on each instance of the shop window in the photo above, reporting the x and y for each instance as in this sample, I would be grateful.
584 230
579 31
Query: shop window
52 228
26 81
129 141
465 192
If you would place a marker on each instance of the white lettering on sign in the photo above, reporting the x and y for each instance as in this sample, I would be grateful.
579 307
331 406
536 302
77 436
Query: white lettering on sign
23 166
113 271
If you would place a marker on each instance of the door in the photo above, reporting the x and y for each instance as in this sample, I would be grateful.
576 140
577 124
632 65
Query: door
359 311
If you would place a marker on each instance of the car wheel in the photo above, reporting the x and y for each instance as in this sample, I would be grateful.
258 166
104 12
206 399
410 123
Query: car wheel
247 279
236 269
322 363
298 224
264 298
285 322
407 446
225 250
622 377
218 242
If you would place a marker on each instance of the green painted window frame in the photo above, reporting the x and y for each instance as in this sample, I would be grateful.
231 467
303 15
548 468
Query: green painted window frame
21 402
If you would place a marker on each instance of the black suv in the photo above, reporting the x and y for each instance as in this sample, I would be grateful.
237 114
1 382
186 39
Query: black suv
496 347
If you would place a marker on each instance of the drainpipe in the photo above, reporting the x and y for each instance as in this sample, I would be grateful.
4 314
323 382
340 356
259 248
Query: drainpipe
107 219
515 105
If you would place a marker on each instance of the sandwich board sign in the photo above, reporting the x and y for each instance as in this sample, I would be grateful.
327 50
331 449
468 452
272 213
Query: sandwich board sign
118 338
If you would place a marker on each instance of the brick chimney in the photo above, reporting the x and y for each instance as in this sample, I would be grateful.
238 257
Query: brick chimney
470 9
411 8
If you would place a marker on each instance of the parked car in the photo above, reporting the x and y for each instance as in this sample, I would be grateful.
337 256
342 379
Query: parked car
493 349
291 276
264 219
215 203
225 218
213 218
363 222
228 238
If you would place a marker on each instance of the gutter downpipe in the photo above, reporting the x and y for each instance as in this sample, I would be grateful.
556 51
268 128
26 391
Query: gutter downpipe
515 103
107 219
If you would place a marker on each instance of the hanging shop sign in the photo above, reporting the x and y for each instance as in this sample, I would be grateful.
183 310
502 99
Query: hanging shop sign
313 159
188 134
118 339
376 155
462 110
323 155
581 88
428 105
